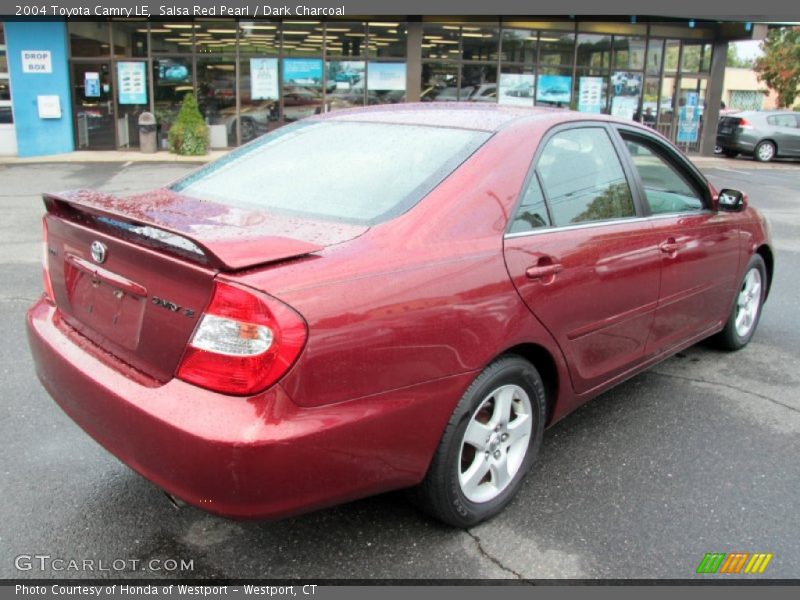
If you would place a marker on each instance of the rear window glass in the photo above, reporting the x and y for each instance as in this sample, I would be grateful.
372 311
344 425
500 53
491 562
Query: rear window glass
335 170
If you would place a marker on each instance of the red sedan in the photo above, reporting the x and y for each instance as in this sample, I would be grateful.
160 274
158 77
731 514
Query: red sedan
385 298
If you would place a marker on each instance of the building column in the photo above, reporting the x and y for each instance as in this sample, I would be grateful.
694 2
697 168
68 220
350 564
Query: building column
716 81
414 61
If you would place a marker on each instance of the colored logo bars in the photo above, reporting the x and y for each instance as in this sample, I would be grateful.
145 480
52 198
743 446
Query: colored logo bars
719 562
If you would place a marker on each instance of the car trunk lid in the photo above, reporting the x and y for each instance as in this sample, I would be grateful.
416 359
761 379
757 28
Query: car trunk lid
133 275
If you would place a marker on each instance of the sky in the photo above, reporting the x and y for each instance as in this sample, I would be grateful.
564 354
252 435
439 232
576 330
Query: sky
748 49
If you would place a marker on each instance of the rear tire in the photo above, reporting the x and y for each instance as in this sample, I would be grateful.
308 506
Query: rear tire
765 151
746 312
489 444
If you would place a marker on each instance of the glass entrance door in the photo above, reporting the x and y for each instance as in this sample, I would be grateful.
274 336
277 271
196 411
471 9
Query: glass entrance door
93 101
132 100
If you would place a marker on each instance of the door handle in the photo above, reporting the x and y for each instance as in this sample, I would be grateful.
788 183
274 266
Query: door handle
540 272
670 246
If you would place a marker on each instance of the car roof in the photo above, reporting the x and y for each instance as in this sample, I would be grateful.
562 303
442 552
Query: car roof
460 115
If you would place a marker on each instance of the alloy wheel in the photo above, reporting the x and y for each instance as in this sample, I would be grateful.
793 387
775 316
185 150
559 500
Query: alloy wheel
495 443
748 302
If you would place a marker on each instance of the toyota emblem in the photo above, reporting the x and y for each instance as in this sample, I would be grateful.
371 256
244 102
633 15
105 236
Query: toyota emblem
99 251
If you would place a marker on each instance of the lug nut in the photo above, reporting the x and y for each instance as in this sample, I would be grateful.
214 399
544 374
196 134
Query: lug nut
504 437
497 453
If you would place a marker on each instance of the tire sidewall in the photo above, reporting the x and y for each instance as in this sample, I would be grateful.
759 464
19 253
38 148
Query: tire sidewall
506 371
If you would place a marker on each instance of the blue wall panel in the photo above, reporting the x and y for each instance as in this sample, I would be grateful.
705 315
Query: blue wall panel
35 136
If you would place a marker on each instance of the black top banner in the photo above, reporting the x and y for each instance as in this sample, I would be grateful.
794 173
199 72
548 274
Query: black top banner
741 10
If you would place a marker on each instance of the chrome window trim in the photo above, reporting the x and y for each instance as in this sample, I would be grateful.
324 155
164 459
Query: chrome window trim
592 224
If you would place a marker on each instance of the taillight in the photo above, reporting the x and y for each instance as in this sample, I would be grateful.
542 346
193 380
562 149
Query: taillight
48 286
744 124
245 341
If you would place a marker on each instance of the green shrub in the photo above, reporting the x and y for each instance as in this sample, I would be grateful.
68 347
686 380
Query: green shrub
189 133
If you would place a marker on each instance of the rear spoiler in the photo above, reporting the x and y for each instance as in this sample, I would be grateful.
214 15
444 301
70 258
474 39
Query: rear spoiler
160 219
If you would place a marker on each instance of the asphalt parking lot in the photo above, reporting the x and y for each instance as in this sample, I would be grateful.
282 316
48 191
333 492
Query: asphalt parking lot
698 455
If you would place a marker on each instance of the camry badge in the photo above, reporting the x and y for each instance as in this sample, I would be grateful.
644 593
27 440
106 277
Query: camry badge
99 251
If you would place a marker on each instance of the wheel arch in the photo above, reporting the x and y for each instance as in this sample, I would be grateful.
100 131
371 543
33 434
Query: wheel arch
769 262
771 141
541 358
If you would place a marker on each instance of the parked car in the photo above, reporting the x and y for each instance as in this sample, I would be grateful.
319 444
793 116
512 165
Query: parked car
272 335
763 134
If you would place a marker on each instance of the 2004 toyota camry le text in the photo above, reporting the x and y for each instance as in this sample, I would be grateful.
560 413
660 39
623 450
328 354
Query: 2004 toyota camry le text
385 298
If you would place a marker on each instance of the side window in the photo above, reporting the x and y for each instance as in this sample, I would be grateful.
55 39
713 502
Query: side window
782 120
532 212
583 179
666 190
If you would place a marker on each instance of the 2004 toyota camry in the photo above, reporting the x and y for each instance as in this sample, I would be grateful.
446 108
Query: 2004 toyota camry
385 298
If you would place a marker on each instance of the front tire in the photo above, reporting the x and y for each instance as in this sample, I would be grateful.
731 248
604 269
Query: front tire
765 151
746 311
489 444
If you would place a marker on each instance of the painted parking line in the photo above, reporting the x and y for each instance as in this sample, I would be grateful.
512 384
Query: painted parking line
728 170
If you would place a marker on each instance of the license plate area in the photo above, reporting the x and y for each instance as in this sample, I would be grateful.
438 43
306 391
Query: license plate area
105 302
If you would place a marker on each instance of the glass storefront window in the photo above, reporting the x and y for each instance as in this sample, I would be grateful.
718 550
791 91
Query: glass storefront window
629 53
347 79
89 38
479 42
439 82
302 38
478 83
172 80
170 38
705 61
650 101
671 53
128 39
556 48
690 59
259 38
216 97
519 46
440 41
387 39
259 96
554 88
215 37
6 116
516 86
346 39
386 82
591 91
666 108
594 50
655 52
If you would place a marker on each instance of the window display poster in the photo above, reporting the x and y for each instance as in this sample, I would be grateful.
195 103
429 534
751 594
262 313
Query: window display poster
554 89
626 84
264 78
132 82
386 77
688 124
516 89
91 84
624 106
591 98
302 71
346 74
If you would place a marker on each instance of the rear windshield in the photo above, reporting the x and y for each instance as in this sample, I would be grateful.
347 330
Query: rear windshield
335 170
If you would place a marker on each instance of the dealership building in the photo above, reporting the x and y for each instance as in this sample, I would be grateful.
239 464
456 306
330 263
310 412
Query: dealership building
82 85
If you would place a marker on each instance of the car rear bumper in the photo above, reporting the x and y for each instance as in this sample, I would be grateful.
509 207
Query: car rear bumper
736 141
258 457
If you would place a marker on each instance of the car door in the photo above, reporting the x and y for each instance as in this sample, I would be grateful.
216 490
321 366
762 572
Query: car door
698 246
581 257
783 130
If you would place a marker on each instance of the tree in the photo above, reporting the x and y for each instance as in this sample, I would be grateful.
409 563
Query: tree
734 60
779 67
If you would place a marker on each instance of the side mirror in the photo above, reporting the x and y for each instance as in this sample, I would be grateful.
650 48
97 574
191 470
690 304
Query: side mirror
732 200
